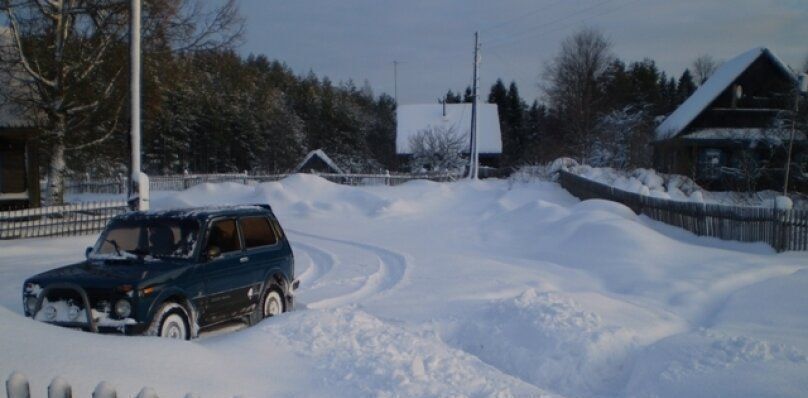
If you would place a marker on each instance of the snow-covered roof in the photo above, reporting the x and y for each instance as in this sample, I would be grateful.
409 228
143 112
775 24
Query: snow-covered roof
722 78
414 118
320 154
746 134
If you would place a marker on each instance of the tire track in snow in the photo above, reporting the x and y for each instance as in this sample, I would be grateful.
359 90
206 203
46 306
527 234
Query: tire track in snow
320 263
391 268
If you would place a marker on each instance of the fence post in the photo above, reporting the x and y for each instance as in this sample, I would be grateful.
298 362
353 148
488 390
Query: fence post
104 390
59 388
17 386
147 392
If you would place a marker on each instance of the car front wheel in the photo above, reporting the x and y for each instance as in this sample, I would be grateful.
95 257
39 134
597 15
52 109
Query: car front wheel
170 322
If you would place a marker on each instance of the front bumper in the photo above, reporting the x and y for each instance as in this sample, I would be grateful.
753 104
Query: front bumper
88 321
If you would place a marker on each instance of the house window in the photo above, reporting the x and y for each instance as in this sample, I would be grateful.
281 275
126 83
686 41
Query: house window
12 170
710 162
801 166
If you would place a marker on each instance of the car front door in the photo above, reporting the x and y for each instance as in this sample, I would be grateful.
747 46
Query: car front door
226 273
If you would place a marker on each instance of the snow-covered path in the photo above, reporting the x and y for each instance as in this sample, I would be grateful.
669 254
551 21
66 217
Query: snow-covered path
462 289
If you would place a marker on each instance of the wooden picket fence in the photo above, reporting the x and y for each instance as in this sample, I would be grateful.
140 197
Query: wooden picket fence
17 386
784 230
184 181
67 220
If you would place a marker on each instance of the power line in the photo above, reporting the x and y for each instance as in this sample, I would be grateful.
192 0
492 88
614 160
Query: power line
521 16
528 33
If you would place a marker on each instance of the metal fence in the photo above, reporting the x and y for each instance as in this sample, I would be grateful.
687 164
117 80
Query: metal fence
184 181
66 220
782 229
17 386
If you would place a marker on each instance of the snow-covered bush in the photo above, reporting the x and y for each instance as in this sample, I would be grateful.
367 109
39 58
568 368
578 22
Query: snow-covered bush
622 139
438 149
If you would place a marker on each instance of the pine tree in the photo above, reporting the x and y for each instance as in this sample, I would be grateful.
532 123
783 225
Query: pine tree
686 86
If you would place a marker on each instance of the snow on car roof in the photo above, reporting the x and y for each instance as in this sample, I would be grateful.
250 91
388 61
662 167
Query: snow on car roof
198 212
411 119
711 89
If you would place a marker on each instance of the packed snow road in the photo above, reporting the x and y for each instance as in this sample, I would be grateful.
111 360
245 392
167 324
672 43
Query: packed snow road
463 289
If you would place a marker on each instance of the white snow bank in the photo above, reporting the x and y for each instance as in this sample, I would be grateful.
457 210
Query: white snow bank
480 288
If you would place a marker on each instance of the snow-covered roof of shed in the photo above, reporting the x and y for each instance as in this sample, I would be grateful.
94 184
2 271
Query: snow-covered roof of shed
414 118
727 73
320 154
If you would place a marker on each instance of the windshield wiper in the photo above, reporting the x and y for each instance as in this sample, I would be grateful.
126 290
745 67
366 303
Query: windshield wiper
115 245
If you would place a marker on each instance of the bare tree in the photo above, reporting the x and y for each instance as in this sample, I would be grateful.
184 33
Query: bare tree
438 149
65 60
572 83
703 68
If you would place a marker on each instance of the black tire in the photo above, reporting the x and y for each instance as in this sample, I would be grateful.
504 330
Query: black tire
170 321
272 303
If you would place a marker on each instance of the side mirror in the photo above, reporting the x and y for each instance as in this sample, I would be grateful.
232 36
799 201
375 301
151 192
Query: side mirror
87 251
213 252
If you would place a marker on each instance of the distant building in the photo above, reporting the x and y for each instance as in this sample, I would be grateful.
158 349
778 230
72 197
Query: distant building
723 136
412 119
19 169
317 162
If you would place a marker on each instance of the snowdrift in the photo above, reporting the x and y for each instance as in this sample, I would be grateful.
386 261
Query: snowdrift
486 288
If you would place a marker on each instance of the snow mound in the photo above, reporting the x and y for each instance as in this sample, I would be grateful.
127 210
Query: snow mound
708 363
363 354
541 336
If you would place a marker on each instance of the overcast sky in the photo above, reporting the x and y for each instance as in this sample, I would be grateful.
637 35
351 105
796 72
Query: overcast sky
433 39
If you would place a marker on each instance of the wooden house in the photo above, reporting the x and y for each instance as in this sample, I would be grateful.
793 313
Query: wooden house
726 135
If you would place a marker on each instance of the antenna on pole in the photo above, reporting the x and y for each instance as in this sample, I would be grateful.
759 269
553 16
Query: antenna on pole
474 157
395 81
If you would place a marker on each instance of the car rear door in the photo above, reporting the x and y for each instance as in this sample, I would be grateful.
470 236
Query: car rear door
262 247
227 276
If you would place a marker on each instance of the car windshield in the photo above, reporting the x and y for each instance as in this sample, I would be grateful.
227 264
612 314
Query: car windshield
157 238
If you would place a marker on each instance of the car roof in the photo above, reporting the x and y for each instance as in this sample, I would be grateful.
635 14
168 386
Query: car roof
200 213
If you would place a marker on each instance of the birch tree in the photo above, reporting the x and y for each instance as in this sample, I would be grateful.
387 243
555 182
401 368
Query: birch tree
67 63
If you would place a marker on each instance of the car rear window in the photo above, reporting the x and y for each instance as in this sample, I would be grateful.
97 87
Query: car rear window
257 232
224 235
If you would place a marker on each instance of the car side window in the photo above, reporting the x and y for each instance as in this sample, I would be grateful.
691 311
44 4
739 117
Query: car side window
224 235
257 232
277 228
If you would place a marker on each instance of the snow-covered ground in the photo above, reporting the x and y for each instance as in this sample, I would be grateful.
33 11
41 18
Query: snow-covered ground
457 289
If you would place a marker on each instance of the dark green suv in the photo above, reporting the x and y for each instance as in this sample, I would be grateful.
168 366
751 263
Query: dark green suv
172 273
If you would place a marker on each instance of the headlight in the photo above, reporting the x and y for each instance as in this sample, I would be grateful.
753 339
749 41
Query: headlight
73 312
49 312
30 305
123 308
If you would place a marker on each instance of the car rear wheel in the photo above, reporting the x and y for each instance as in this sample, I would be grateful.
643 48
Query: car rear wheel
170 322
273 303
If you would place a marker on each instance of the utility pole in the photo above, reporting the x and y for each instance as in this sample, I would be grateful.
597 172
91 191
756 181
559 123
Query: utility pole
138 197
395 81
802 88
474 158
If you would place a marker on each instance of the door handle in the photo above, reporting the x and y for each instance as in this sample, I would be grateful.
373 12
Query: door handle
244 260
